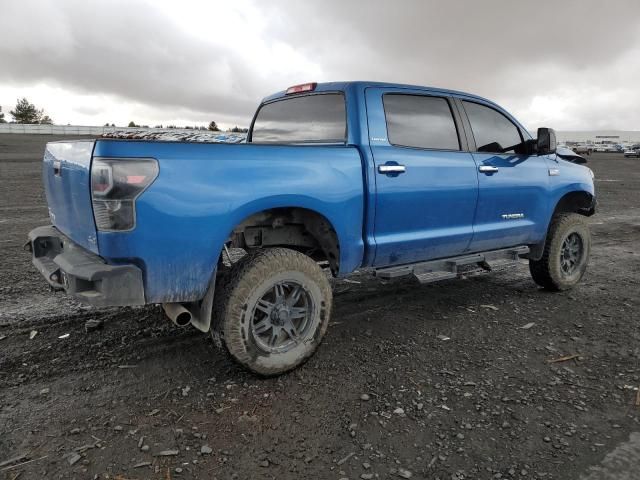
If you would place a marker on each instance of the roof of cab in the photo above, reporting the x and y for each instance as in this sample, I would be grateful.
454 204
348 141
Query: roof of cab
342 86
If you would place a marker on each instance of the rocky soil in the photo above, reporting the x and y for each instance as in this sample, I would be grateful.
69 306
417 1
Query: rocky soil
482 378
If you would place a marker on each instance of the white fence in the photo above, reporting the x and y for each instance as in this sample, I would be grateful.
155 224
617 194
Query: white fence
74 129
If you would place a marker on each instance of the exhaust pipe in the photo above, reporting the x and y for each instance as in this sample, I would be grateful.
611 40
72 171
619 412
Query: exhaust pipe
178 314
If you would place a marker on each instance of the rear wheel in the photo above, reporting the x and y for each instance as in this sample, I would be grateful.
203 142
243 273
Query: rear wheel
566 253
274 310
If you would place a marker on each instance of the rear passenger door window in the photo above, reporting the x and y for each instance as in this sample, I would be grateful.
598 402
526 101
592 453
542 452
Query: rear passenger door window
492 131
420 121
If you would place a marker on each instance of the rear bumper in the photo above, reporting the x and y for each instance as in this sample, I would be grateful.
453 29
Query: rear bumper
85 276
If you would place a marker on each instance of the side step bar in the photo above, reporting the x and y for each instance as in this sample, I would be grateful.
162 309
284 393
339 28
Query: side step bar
446 268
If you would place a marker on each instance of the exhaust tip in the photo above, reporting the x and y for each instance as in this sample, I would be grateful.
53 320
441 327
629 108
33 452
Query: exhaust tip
183 319
178 314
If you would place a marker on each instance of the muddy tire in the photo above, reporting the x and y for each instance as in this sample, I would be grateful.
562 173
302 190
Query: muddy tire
566 253
273 310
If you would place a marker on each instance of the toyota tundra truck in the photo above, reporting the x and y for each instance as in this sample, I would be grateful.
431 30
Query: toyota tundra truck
395 179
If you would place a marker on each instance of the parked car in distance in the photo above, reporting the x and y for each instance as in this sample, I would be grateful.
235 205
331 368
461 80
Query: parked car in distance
402 180
582 149
633 151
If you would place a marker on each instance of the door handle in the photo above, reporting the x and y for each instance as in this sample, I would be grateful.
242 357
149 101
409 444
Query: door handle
387 169
488 169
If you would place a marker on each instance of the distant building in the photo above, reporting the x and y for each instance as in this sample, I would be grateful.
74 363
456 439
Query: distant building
599 136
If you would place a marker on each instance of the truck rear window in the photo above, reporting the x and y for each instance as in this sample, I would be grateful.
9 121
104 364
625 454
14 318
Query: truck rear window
319 118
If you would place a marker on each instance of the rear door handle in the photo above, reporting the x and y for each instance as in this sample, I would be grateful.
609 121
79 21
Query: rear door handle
387 169
488 169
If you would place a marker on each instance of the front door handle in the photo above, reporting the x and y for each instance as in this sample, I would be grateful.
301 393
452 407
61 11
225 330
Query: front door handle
488 169
387 169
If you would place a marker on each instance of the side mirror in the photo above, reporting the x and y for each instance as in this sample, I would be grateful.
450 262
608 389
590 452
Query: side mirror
546 142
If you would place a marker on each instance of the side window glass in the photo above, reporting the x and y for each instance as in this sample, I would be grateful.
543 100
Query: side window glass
420 121
492 131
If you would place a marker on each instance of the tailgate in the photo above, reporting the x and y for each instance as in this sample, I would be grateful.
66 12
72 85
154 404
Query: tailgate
67 185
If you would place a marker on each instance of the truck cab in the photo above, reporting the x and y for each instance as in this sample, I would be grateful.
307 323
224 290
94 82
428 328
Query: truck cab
399 179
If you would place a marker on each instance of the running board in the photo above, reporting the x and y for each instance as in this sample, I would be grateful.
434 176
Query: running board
447 268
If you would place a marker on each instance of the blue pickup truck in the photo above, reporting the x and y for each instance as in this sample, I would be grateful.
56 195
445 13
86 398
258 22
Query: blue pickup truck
333 177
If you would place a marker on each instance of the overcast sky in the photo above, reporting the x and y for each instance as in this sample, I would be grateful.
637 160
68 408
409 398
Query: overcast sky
568 64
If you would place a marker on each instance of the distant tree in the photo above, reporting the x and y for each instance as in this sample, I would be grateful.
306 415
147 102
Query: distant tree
2 120
46 120
158 126
132 124
213 126
26 112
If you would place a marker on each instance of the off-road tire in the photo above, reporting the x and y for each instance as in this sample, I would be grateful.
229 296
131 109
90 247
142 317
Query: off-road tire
235 301
547 272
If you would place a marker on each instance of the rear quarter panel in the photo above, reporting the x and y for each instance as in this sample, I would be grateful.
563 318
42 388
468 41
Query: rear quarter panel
204 190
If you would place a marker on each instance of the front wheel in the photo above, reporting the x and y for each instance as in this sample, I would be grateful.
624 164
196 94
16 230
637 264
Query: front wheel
566 253
274 310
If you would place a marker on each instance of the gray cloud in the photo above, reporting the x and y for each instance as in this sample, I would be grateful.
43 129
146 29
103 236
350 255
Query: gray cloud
577 55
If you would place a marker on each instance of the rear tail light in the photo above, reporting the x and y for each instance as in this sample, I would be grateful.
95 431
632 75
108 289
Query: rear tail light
116 183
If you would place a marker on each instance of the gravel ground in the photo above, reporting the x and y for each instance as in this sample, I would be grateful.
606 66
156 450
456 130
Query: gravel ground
483 378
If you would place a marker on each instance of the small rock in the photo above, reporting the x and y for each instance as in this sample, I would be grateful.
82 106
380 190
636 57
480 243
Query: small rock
365 397
206 450
144 448
185 391
264 463
168 453
93 324
366 465
142 464
460 436
32 334
118 428
403 473
399 411
44 391
75 431
366 476
527 326
178 470
73 458
490 307
546 439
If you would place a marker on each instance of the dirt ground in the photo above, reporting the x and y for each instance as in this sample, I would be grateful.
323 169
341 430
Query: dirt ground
386 395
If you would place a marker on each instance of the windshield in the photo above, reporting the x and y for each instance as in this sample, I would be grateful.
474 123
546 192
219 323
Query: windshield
319 118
